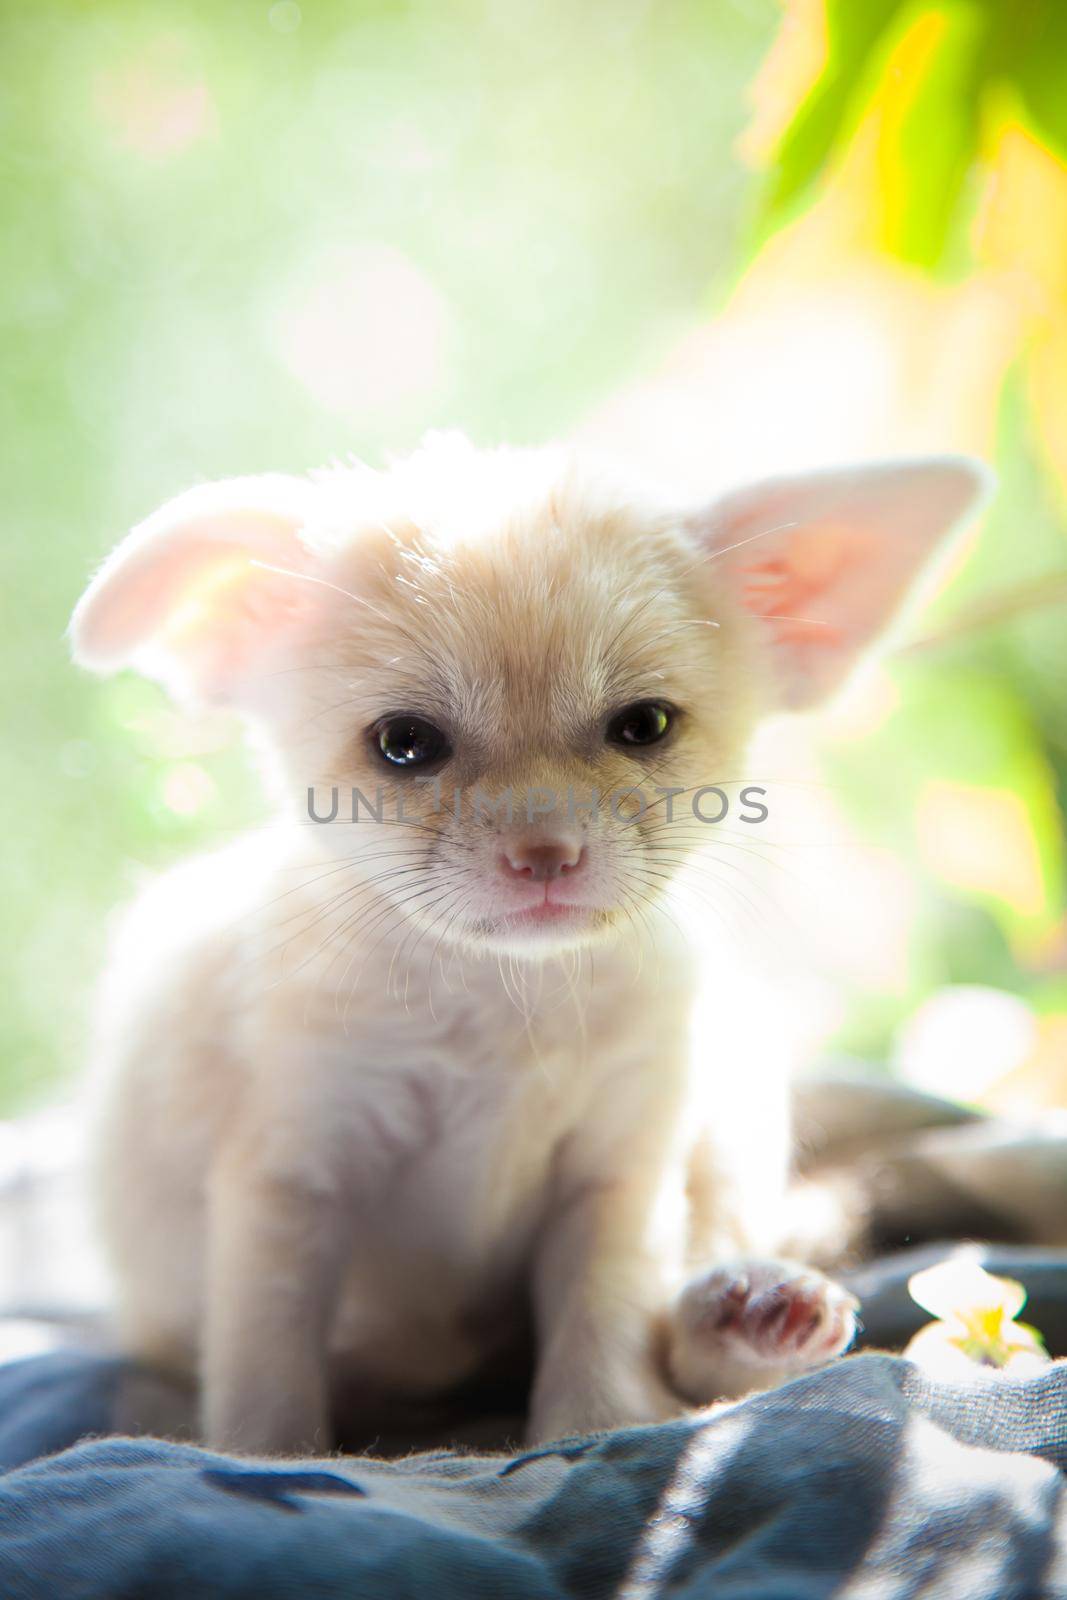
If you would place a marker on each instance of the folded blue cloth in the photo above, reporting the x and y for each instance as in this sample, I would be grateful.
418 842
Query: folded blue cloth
865 1478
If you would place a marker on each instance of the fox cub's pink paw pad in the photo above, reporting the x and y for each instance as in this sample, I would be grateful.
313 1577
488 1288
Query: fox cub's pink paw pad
759 1314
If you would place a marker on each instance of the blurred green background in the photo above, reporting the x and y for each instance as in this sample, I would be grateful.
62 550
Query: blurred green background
262 236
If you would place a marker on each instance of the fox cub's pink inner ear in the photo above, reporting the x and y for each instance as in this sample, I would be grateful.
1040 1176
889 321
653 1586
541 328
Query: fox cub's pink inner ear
825 560
190 597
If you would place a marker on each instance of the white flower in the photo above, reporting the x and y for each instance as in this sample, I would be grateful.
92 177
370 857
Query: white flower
976 1321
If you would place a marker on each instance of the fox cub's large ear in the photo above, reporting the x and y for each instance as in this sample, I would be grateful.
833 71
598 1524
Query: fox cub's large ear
193 596
827 558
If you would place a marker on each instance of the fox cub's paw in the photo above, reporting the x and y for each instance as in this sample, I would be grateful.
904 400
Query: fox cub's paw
750 1324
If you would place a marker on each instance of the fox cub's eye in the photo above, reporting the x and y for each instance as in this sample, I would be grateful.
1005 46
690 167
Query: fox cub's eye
407 741
645 722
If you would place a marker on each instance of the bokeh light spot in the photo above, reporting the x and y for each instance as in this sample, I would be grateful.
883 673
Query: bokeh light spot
156 103
364 330
285 17
187 789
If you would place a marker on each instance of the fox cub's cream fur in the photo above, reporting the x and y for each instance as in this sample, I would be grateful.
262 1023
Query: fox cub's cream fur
376 1089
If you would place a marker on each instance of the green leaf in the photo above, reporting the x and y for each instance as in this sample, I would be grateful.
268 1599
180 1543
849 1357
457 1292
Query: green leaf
1042 74
930 130
927 64
854 30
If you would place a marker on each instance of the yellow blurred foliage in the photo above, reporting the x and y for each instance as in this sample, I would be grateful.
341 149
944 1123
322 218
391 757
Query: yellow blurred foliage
955 341
1022 232
790 70
1037 1083
981 840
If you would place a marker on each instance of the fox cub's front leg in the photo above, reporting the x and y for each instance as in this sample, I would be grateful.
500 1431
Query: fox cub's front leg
274 1256
598 1301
